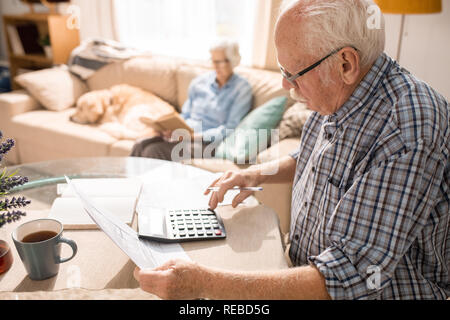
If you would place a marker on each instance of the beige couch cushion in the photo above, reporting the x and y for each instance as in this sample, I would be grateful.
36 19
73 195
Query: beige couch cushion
55 88
154 74
68 139
266 85
279 150
106 77
121 148
13 103
294 119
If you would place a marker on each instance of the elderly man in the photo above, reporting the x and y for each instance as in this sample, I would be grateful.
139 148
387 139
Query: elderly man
370 200
217 101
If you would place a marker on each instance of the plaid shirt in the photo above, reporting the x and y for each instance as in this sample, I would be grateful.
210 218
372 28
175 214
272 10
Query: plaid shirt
370 199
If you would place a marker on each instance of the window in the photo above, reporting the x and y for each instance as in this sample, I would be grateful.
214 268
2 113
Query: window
186 27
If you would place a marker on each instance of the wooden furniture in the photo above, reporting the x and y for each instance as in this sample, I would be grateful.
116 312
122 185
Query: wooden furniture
50 4
63 39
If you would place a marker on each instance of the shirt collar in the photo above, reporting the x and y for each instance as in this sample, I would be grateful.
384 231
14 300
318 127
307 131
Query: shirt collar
214 85
365 90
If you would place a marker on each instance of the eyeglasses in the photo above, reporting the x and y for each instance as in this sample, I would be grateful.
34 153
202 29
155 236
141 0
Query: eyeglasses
217 62
291 78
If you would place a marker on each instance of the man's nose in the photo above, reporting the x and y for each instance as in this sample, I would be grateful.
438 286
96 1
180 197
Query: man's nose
287 85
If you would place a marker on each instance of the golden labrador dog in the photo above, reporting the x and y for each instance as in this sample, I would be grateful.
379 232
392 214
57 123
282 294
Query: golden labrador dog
118 110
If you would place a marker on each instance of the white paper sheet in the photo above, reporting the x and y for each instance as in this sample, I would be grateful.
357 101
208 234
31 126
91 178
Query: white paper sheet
103 187
163 189
71 213
144 253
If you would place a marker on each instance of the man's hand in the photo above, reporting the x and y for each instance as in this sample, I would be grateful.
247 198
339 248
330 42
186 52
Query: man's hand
177 279
230 179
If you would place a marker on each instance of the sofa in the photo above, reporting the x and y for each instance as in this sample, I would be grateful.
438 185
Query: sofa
43 134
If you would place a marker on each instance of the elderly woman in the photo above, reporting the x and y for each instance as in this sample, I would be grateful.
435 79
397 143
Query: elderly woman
217 102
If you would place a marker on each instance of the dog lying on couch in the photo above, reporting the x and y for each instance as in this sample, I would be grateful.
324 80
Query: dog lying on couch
117 110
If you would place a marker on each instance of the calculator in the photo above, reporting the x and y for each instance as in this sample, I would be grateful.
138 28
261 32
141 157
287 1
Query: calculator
179 225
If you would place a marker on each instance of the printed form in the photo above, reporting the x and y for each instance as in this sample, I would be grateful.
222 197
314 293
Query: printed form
144 253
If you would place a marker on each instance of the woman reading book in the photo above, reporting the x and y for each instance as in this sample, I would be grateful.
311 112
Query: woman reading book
217 102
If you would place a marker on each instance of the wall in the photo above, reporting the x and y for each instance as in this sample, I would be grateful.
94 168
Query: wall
424 50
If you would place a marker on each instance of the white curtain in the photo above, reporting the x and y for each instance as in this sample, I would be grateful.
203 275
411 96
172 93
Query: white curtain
96 18
185 27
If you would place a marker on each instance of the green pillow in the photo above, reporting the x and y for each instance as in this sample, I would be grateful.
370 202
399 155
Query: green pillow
252 135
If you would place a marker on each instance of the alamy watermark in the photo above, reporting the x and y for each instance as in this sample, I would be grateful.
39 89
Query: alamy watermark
73 277
375 17
373 281
74 12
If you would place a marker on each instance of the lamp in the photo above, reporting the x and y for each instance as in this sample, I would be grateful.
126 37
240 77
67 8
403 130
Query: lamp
408 7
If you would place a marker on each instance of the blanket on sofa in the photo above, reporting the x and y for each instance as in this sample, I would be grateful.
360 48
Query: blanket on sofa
94 54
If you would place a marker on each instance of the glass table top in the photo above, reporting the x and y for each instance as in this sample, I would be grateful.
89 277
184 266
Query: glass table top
43 177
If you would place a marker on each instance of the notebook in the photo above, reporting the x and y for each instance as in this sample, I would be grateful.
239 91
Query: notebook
117 195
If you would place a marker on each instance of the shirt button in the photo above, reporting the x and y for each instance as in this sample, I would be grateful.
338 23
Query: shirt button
313 169
329 136
306 204
296 237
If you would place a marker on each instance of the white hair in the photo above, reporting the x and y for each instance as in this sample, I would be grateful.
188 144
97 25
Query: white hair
231 49
333 24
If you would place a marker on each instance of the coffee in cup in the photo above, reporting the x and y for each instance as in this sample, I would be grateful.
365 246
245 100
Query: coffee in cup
38 243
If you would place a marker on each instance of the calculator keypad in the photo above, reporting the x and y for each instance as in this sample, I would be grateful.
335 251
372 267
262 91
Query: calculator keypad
195 224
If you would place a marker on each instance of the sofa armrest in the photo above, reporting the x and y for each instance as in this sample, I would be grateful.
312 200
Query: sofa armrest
16 102
279 150
12 104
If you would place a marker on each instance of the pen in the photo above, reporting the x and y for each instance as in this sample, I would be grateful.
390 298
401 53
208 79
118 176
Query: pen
239 188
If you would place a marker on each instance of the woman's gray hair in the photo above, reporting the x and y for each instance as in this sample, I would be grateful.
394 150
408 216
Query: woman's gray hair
331 24
231 49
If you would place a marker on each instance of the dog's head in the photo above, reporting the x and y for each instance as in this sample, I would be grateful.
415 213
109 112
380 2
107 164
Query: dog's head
91 107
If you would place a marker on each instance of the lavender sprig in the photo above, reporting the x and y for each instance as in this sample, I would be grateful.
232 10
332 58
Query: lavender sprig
5 147
10 216
19 202
7 183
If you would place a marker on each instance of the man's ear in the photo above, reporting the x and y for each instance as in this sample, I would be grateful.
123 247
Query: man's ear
350 68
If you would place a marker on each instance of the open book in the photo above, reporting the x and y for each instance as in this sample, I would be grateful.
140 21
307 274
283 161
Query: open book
171 121
118 195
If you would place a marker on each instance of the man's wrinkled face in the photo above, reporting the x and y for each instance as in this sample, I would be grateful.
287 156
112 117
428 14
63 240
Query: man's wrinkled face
310 88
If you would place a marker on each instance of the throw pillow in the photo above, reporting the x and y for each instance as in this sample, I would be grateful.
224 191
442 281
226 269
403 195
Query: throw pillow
252 135
55 88
294 119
